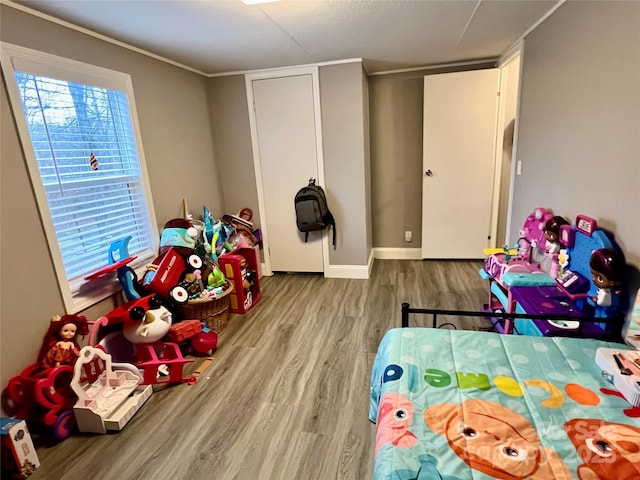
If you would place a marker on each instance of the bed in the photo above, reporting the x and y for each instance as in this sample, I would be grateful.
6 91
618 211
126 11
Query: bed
454 404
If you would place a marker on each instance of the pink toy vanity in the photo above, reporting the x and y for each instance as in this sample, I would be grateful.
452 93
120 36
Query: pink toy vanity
527 263
536 282
109 394
531 236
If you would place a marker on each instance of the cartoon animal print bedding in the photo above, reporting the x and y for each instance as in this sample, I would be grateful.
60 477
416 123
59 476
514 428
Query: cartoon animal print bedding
455 405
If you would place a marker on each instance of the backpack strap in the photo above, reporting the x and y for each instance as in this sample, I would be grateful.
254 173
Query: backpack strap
334 234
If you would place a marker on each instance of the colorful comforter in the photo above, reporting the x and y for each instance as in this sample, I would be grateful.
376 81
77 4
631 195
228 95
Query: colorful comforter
452 404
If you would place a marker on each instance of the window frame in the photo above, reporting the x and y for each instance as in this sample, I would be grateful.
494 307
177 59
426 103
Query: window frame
79 296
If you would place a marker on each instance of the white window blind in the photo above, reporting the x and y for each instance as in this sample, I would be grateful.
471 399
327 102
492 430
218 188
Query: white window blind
85 149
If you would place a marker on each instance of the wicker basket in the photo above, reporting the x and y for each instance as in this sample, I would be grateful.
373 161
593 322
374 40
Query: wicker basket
213 311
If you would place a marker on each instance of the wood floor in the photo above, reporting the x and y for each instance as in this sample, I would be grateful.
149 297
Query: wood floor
287 396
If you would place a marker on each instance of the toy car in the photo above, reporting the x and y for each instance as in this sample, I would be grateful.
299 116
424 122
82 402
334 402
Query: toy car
165 276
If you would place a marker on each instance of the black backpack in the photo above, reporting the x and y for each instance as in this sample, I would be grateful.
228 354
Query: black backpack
312 212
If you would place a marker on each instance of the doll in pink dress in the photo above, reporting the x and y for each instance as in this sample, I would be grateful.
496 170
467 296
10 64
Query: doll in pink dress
59 346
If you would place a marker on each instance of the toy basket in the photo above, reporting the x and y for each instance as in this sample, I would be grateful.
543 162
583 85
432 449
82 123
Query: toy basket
213 311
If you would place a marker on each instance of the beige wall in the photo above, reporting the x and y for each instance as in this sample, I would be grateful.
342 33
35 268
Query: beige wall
232 143
174 122
343 140
579 126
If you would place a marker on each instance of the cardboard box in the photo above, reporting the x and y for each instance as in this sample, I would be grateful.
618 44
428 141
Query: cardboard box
18 453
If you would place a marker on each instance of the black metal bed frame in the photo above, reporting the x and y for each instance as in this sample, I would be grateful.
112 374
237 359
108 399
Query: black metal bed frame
406 310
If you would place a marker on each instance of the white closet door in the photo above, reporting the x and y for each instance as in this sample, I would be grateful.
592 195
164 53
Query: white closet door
459 134
286 134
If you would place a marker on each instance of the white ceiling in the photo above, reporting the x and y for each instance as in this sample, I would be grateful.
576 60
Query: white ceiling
218 36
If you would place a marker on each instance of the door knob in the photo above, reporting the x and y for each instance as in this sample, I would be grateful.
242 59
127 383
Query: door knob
429 173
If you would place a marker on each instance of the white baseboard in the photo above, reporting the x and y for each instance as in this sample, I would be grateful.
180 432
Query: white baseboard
351 271
390 253
364 271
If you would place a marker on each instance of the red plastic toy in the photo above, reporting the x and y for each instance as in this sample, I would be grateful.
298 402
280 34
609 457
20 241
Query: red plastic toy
145 322
167 272
44 396
240 267
41 393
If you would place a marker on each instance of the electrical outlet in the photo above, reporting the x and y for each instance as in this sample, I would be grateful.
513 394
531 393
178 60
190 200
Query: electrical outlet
408 236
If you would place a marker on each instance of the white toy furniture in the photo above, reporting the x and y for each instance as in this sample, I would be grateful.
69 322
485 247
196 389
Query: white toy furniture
109 394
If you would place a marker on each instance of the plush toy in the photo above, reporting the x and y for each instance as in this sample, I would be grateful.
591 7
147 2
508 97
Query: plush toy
59 346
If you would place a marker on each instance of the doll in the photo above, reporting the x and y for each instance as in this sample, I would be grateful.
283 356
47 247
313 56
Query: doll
59 346
607 270
552 234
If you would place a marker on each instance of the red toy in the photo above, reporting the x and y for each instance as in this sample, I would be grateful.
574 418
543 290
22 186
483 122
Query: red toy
168 275
145 322
240 268
183 331
42 393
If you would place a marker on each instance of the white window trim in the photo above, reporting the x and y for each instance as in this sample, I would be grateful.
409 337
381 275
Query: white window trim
14 57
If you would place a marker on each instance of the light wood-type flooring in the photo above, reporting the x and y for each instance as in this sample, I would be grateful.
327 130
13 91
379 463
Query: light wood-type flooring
287 396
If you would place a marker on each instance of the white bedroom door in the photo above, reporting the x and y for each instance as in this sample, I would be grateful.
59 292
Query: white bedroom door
459 135
286 150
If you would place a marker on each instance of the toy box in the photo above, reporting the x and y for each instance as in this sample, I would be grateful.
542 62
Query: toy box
619 366
18 453
241 268
182 331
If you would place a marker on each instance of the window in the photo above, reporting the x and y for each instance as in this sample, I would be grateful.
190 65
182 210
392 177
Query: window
80 135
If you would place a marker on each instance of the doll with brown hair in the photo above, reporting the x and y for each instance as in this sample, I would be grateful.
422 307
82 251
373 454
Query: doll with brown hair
59 346
607 272
552 234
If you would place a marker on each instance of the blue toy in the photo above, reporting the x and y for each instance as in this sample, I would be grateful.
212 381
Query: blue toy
586 287
118 257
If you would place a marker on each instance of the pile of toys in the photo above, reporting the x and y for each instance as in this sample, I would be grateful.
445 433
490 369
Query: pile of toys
187 267
139 344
